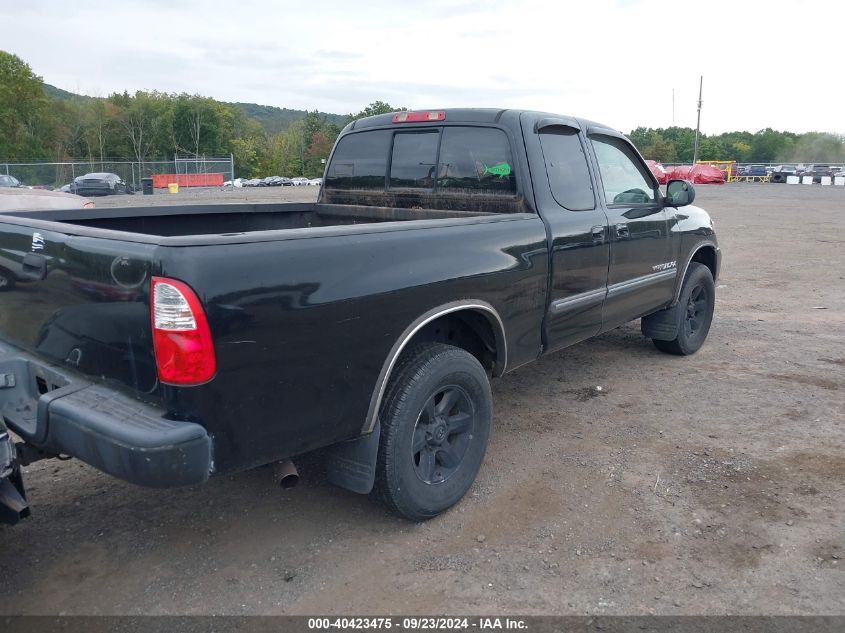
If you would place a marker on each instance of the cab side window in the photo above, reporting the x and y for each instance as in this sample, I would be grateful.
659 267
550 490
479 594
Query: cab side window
624 180
566 167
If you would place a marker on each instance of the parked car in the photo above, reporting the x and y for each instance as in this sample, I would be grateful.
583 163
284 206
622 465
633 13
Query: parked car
445 248
756 171
299 181
781 172
316 182
99 184
817 171
9 181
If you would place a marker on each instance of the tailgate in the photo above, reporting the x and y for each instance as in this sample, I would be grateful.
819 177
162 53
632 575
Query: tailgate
78 302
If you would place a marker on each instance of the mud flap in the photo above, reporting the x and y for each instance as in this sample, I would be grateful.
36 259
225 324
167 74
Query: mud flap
352 464
13 505
663 325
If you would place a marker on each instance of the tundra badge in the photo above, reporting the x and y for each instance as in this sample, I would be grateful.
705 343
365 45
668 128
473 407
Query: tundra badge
665 266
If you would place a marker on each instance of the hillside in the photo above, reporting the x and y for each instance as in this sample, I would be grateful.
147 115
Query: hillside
272 118
63 95
275 119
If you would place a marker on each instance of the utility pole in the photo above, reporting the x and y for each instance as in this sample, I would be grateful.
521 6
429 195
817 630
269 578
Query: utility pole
698 121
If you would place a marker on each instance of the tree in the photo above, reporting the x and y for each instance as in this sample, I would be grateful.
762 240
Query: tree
145 119
201 125
25 126
317 151
376 107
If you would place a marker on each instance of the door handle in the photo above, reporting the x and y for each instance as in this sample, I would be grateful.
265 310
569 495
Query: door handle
598 234
34 266
622 231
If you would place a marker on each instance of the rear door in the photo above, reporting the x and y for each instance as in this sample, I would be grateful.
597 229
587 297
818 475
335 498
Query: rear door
642 272
565 193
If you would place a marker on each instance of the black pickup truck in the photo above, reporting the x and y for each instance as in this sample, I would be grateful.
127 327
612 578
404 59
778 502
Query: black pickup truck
165 345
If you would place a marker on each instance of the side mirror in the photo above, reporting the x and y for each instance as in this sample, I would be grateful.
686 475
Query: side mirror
679 193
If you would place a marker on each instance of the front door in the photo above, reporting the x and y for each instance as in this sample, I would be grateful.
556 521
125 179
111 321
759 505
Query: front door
642 270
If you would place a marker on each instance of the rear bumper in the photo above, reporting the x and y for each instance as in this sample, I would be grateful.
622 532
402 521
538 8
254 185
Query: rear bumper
61 413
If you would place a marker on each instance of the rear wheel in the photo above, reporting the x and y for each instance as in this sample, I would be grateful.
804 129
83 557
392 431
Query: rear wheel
435 421
695 312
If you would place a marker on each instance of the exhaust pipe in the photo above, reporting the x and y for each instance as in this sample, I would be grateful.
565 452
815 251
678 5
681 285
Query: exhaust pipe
13 506
285 474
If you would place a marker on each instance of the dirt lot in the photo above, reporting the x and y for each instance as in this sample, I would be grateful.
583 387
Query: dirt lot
711 484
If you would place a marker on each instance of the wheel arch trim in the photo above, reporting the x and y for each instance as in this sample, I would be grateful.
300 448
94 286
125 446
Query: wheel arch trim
696 249
496 323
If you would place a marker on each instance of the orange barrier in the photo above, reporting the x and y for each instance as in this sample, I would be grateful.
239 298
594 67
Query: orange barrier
160 181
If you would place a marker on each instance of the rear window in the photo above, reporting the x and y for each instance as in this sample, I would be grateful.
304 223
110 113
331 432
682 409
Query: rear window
360 161
476 158
451 168
413 159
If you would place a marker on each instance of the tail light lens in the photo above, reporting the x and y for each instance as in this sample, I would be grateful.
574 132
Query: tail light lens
184 352
418 117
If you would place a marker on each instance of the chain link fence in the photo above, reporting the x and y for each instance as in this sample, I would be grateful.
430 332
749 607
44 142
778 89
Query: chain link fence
56 175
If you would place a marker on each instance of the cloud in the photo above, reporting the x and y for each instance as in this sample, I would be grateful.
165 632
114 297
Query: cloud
616 61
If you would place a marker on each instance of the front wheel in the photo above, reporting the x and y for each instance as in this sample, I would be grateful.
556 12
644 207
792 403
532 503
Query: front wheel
695 312
435 421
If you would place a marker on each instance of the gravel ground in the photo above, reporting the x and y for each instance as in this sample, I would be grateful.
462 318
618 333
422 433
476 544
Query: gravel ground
704 485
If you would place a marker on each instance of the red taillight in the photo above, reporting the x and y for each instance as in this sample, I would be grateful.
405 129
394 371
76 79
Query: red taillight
418 117
184 351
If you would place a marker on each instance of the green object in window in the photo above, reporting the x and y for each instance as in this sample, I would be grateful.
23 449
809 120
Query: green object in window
501 170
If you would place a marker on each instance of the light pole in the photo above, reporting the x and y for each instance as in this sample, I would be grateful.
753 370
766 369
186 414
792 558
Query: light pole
697 122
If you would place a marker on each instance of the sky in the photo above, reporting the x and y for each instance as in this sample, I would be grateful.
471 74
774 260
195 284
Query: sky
620 62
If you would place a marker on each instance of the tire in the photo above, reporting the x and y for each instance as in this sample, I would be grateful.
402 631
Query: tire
438 401
695 312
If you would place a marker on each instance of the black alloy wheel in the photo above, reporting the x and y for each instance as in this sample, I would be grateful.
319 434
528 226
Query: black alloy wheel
697 306
442 434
